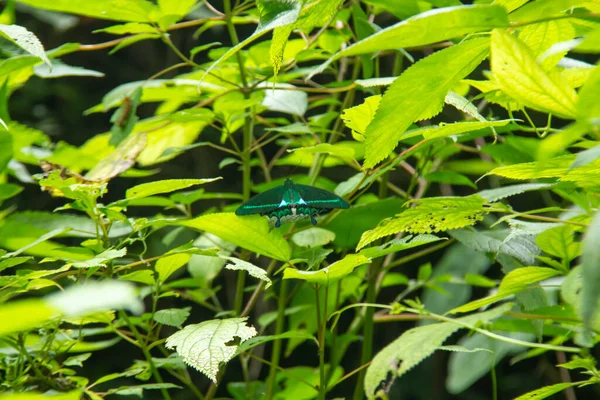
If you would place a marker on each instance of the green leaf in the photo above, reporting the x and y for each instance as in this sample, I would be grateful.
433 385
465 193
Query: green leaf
253 270
546 391
34 244
24 314
519 75
419 94
359 117
588 109
416 344
313 237
522 247
6 149
73 395
101 259
455 128
25 40
426 28
559 242
166 266
433 214
334 272
206 345
178 8
590 271
138 390
273 14
396 245
587 175
514 282
172 316
8 190
166 186
60 70
13 262
585 157
118 10
77 361
493 195
251 233
128 28
449 177
258 340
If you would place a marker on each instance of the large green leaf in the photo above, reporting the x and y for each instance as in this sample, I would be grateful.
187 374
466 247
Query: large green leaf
329 274
250 232
416 344
166 186
591 271
117 10
206 345
73 395
419 94
26 40
546 391
588 106
520 76
426 28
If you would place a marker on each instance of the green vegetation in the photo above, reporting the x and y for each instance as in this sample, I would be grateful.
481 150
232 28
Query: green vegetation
465 138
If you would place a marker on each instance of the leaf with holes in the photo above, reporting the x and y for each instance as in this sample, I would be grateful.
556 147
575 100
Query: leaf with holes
205 346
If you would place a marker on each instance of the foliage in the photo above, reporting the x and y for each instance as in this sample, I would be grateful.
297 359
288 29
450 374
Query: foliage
444 124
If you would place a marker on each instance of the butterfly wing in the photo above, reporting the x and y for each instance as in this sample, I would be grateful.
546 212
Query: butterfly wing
320 198
262 203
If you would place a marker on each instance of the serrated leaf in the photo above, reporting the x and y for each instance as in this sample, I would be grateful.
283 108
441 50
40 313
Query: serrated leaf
587 175
426 28
416 344
559 242
359 117
521 247
251 233
313 237
206 345
590 271
329 274
493 195
253 270
166 186
129 29
546 391
172 316
519 75
433 214
25 40
423 86
588 109
514 282
118 10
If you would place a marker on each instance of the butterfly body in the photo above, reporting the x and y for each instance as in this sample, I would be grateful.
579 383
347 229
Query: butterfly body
291 202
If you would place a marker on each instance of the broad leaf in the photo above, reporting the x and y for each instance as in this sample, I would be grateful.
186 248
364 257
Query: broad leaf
253 270
168 265
590 271
426 28
419 94
26 40
166 186
73 395
519 75
433 214
416 344
101 259
493 195
118 10
329 274
206 345
172 316
359 117
313 237
396 245
456 128
546 391
249 232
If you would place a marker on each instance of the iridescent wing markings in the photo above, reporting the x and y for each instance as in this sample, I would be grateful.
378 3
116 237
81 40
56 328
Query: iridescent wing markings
290 202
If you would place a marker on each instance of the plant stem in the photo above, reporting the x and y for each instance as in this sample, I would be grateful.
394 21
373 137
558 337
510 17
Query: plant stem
276 354
321 323
147 354
367 346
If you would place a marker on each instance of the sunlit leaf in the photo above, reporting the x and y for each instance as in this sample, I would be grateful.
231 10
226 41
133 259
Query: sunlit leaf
172 316
166 186
590 271
329 274
240 265
26 40
313 237
249 232
118 10
206 346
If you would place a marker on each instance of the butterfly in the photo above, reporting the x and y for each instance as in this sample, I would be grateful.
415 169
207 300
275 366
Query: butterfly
290 202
